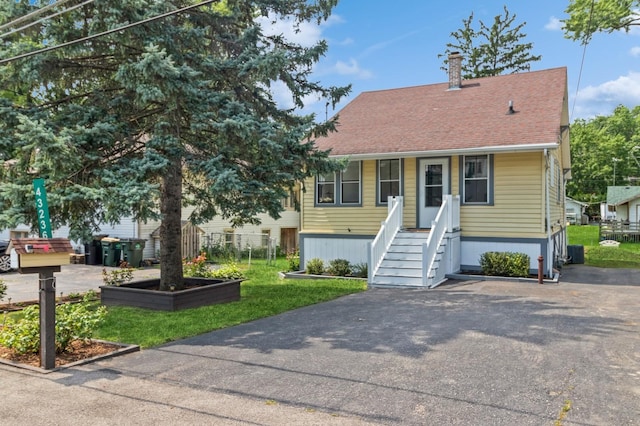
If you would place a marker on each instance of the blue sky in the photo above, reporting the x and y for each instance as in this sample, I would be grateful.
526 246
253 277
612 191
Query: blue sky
377 44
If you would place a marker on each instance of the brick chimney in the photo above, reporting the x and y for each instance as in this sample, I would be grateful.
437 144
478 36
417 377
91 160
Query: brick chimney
455 70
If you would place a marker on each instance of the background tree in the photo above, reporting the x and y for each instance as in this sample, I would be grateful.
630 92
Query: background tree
604 151
587 17
489 51
143 121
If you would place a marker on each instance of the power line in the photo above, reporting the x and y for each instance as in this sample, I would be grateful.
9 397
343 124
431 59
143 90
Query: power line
104 33
32 14
584 53
15 30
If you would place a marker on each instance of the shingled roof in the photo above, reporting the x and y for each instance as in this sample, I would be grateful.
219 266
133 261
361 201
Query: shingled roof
617 195
424 119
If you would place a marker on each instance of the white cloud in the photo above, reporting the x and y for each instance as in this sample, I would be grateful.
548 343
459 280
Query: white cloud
305 33
635 51
351 68
554 24
603 99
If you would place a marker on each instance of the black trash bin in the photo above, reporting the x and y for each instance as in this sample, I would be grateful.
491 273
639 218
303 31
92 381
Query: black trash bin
576 254
93 251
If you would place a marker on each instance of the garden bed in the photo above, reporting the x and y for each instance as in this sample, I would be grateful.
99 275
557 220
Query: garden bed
145 294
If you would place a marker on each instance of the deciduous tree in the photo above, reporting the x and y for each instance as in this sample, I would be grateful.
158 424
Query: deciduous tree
604 151
489 51
587 17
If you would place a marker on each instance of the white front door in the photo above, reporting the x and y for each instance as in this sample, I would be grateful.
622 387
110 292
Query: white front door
433 183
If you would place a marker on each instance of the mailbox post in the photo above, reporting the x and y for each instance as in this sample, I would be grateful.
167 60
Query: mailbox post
44 256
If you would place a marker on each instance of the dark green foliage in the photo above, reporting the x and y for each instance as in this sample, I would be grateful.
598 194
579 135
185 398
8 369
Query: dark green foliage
173 113
360 270
315 266
505 264
489 51
339 267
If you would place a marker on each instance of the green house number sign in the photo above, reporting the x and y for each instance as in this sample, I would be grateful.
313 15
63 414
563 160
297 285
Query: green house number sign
42 208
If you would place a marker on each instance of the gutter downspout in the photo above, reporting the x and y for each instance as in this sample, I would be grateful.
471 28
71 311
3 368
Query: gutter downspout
548 212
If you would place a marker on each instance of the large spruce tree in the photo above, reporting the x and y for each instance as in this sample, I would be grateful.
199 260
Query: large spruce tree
143 121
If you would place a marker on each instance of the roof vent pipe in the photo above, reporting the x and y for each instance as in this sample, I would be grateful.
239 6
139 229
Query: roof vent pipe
511 110
455 70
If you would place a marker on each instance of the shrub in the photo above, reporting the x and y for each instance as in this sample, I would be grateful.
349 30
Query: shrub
360 270
506 264
117 276
74 321
315 266
339 267
197 267
293 259
3 289
229 271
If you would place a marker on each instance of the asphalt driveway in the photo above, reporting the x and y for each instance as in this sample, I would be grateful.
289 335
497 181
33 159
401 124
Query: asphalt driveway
482 353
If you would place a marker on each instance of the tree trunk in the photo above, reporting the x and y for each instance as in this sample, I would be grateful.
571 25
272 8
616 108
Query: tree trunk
171 228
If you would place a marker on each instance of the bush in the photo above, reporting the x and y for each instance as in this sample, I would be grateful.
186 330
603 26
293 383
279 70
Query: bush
3 289
360 270
197 267
315 266
293 259
339 267
230 271
505 264
74 321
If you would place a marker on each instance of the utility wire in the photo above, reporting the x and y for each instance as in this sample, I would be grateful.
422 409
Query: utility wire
15 30
32 14
584 53
104 33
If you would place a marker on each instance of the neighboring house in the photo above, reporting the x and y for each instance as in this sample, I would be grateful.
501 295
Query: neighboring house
574 211
283 232
481 164
624 201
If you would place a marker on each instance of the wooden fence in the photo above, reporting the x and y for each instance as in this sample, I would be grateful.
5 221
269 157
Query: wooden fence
621 231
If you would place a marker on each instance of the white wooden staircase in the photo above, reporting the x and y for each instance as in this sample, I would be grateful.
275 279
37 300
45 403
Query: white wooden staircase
408 258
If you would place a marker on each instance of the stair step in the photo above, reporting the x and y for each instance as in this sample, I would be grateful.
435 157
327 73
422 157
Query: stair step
401 240
405 249
395 272
401 263
403 256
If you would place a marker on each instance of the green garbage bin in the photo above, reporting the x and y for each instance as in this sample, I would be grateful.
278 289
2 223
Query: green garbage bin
111 251
132 251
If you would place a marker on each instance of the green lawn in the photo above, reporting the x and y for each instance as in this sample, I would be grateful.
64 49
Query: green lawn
625 256
263 294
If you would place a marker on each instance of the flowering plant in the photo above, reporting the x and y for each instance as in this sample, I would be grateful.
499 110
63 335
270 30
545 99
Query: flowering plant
197 267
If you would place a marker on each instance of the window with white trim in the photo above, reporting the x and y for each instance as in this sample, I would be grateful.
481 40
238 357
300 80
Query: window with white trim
350 181
476 179
326 188
389 179
340 189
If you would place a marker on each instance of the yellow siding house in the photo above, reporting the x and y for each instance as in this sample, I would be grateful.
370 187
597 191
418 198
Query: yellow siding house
439 174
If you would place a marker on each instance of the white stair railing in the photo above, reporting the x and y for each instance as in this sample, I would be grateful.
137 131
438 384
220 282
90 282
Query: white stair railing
447 219
388 230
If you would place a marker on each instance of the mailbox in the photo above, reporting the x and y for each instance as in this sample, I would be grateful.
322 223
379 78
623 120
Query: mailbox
34 253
